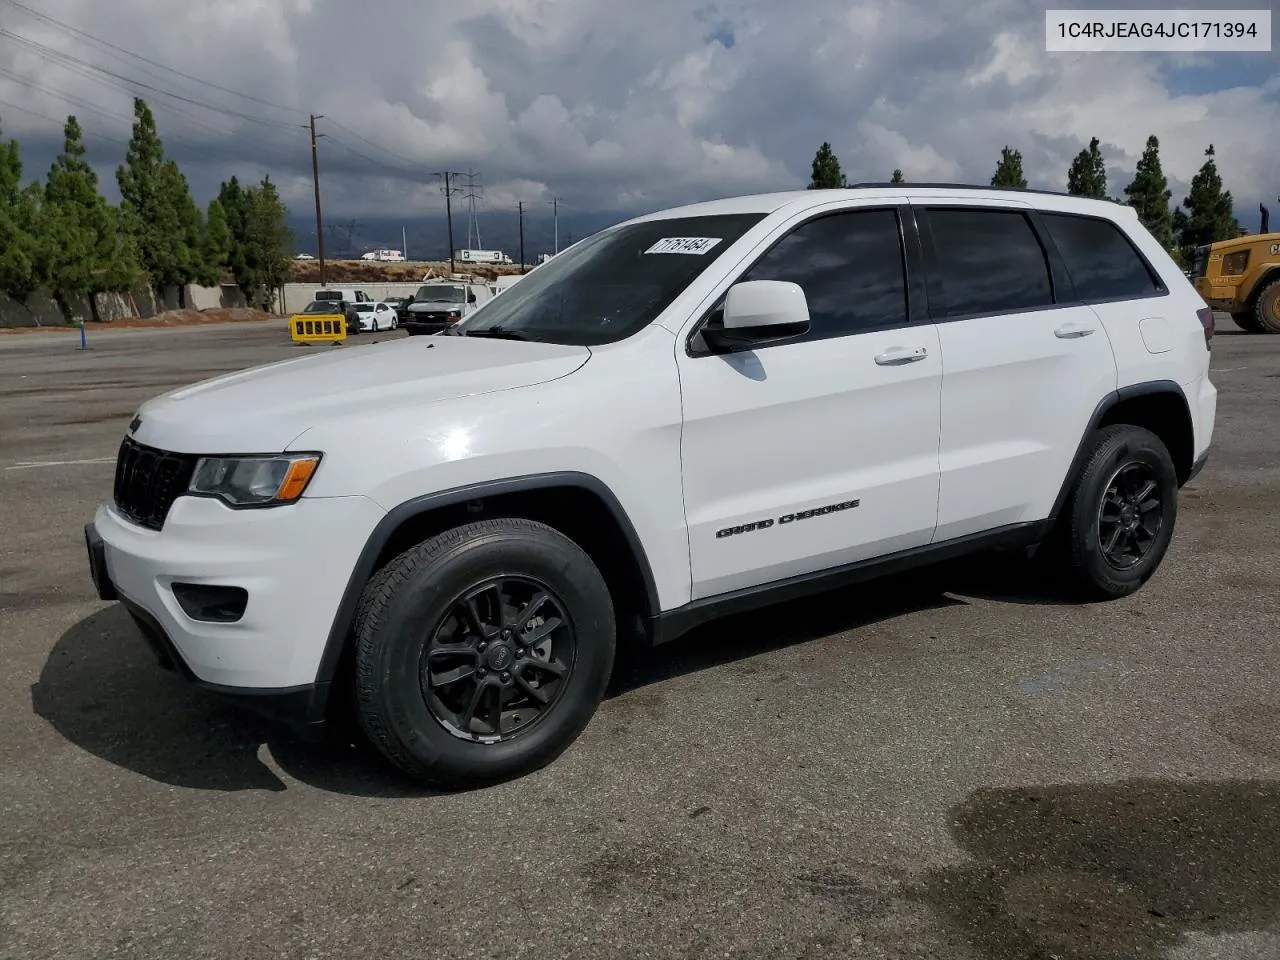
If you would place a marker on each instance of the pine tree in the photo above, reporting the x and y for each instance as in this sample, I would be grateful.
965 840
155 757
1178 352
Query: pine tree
84 251
1209 216
1149 194
897 176
20 227
217 245
189 227
1087 176
158 212
234 200
826 174
269 239
1009 169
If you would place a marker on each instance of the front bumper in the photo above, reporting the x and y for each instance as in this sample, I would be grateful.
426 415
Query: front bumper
294 563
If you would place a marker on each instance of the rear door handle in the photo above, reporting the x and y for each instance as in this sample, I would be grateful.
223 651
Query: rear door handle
1070 331
896 356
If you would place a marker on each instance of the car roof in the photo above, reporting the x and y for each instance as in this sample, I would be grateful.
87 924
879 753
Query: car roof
800 200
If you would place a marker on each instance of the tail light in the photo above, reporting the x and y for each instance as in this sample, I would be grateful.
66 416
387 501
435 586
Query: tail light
1206 321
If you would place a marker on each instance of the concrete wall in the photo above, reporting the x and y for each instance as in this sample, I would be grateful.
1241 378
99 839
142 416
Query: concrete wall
41 310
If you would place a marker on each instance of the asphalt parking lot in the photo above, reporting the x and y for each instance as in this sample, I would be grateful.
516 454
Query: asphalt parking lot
953 764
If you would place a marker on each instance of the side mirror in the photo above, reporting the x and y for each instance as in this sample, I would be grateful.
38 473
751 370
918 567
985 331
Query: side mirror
759 312
471 296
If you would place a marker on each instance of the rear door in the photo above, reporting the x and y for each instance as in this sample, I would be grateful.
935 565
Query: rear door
1025 364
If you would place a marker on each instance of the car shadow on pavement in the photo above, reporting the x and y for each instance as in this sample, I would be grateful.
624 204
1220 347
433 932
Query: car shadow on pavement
103 690
988 576
1122 871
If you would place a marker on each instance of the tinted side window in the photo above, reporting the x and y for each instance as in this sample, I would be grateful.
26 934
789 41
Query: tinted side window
850 266
989 261
1102 263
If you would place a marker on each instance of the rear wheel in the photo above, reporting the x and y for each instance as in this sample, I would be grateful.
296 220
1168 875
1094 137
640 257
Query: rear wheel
375 326
1266 309
1120 515
482 653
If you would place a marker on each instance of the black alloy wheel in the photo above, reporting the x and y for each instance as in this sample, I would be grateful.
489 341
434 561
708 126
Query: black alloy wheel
499 659
1119 517
1130 516
482 652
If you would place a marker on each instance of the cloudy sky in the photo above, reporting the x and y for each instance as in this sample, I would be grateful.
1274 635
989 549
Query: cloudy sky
618 106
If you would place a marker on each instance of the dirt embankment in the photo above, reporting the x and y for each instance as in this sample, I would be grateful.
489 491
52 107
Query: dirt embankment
364 271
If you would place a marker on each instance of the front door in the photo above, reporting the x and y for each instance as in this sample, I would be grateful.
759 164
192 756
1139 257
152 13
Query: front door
821 451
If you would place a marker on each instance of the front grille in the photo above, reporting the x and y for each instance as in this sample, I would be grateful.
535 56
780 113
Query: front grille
148 481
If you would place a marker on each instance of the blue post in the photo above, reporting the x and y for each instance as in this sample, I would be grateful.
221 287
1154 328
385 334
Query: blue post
84 345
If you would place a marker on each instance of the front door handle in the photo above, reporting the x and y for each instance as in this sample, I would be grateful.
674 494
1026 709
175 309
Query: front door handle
1070 331
895 356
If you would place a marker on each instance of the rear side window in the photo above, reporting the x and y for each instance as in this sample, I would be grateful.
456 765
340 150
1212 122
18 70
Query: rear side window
988 261
850 267
1101 261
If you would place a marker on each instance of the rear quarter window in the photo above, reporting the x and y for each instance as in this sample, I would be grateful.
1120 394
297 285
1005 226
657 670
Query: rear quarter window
1101 261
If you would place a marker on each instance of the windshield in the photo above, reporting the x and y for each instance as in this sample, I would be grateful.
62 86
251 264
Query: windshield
611 285
440 294
364 307
321 306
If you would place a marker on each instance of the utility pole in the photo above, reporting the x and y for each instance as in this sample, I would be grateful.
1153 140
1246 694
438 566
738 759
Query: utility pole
520 206
404 244
555 216
315 177
448 211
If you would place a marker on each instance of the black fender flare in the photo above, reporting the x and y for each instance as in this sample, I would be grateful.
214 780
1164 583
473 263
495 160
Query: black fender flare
378 539
1105 405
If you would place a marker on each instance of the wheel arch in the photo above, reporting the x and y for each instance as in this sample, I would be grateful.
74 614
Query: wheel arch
1159 406
580 505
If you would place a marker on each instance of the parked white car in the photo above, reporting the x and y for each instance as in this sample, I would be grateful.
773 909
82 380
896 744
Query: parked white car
693 413
377 316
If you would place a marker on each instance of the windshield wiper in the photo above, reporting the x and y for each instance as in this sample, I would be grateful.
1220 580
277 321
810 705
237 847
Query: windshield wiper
497 332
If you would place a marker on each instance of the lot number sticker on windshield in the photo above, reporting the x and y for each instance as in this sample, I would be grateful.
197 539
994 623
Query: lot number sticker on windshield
695 245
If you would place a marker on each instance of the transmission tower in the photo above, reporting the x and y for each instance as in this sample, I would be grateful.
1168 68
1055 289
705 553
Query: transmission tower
474 193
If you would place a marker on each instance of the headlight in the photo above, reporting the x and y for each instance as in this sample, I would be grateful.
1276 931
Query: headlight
254 481
1234 264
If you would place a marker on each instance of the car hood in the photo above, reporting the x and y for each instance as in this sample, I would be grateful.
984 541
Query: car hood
264 408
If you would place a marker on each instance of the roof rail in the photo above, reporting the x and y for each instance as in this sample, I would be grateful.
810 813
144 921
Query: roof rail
967 186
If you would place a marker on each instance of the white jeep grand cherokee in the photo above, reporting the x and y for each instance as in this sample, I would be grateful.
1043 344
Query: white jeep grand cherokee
689 414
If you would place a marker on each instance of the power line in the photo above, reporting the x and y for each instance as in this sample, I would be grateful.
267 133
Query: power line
378 146
60 123
67 28
58 56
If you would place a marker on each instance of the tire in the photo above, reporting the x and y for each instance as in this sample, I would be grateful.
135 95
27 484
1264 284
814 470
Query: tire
443 738
1266 308
1246 322
375 326
1123 455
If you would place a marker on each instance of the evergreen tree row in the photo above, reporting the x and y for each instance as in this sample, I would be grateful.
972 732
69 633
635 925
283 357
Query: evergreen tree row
1207 216
64 237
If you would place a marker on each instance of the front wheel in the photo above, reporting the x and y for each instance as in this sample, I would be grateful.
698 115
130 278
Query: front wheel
482 653
1121 512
